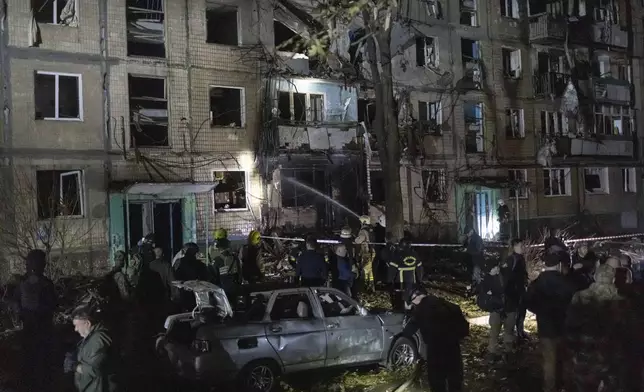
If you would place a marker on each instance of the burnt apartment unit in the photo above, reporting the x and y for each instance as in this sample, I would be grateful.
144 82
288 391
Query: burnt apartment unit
139 113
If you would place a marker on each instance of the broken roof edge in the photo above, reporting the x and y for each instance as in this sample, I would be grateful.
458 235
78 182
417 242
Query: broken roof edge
176 189
300 13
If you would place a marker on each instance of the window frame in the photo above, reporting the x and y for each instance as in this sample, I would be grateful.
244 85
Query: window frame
54 4
480 134
426 60
166 94
509 131
604 181
313 314
441 174
524 190
473 11
610 111
567 181
629 180
307 107
353 304
505 6
246 185
239 29
512 52
242 105
556 116
80 181
57 75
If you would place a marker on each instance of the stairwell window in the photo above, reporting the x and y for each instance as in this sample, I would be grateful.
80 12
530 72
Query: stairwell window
629 180
596 180
473 113
556 182
514 124
435 185
518 179
58 96
553 124
469 13
227 107
511 63
510 8
426 52
230 193
60 193
430 116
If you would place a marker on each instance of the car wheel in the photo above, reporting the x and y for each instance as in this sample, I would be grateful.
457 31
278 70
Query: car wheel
403 353
259 376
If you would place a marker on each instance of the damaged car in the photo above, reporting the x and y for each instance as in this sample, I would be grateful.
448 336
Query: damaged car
279 332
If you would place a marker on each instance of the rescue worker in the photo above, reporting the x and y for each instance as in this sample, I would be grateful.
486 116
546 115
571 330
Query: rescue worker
311 268
405 271
365 253
188 267
294 253
251 258
36 300
227 269
221 242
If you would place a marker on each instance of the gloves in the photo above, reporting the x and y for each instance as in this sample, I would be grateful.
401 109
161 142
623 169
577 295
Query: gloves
69 366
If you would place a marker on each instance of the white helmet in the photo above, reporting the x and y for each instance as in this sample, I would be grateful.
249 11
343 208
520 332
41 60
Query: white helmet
501 202
346 232
382 221
365 220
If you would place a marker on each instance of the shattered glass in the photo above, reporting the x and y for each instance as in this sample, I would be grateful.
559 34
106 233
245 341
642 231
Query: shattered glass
570 100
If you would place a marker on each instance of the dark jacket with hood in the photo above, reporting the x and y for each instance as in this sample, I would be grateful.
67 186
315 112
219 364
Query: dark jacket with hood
515 279
548 297
311 265
97 362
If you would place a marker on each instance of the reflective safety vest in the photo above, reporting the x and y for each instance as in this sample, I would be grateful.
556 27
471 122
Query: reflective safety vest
404 268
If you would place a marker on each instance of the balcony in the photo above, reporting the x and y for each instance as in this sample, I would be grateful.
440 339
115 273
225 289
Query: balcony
609 90
297 62
546 28
610 35
550 84
317 138
576 147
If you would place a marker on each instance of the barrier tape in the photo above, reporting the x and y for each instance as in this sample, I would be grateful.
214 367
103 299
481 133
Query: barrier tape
493 243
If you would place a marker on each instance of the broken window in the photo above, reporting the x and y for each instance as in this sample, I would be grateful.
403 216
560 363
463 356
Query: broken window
596 180
606 11
221 24
230 193
536 7
511 63
468 13
145 28
426 52
61 12
366 111
148 111
356 38
59 193
286 40
470 58
556 182
300 107
430 116
510 8
514 128
226 107
294 193
629 180
473 113
58 96
614 120
553 124
435 185
377 185
518 179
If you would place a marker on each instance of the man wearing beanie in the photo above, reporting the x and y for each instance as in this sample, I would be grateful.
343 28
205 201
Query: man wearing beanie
548 297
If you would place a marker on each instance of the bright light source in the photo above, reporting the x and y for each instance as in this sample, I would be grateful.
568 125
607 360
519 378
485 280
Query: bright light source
246 161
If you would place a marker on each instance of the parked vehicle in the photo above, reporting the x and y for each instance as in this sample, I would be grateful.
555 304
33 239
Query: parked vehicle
283 331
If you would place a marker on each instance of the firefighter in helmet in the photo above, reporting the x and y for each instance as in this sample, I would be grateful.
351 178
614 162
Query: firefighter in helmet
365 253
405 271
251 257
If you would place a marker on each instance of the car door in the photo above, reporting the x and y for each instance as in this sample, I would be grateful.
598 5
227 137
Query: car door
351 338
299 339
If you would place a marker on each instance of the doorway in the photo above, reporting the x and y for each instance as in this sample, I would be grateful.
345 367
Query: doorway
164 218
481 213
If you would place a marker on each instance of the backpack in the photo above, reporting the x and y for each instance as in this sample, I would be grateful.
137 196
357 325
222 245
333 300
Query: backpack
460 326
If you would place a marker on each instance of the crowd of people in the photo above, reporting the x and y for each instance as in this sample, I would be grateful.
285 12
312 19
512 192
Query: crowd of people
587 308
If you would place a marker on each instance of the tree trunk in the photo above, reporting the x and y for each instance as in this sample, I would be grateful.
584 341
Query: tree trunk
378 48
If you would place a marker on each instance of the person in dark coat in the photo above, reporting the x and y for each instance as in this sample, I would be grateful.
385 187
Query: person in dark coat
36 300
583 263
554 244
548 298
518 282
475 256
189 267
311 268
345 273
95 362
442 327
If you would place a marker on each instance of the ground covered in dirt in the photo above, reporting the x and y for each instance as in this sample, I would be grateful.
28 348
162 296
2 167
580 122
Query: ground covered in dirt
524 375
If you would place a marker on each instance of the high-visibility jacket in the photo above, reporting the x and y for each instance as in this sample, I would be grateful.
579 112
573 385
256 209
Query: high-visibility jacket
405 267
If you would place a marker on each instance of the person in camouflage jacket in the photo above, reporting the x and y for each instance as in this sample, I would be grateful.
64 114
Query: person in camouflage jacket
597 335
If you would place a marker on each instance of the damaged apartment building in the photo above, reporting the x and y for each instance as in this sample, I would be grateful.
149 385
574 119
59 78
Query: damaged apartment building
141 115
529 102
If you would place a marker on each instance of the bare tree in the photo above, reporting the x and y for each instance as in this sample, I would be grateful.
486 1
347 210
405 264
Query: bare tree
42 210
